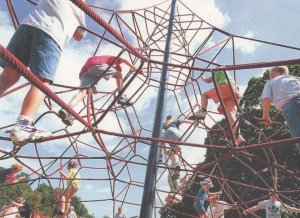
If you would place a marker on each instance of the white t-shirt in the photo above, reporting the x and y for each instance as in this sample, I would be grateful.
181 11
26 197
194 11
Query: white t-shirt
120 215
273 210
57 18
12 212
281 89
72 214
217 211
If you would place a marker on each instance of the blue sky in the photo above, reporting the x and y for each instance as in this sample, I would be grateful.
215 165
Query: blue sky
269 20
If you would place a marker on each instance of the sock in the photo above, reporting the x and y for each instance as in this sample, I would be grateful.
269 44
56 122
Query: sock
71 105
23 120
204 109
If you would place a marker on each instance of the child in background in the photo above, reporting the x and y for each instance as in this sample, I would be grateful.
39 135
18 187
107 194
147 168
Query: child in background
93 69
8 175
203 195
284 91
37 43
217 208
73 185
273 207
12 210
229 101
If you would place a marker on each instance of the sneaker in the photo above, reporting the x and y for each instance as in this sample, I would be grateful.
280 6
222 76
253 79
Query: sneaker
201 114
21 135
66 118
124 101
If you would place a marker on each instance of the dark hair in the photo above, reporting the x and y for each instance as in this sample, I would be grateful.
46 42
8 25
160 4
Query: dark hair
72 164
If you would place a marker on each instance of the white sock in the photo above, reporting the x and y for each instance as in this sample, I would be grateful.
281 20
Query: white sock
22 118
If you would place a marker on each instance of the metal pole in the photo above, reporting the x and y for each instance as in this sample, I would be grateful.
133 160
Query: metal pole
150 178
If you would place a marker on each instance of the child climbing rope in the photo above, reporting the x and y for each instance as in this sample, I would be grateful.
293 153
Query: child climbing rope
96 67
273 207
228 98
217 208
203 195
284 91
172 132
37 43
73 185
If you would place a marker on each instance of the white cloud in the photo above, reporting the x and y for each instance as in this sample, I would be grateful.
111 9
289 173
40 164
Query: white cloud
246 46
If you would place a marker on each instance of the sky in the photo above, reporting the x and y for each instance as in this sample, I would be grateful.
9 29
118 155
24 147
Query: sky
269 20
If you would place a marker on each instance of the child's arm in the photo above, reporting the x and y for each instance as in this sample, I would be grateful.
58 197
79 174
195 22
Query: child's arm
208 80
252 209
78 34
266 109
123 61
64 176
291 209
17 204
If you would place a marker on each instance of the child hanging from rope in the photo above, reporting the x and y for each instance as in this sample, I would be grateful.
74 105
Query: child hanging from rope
272 207
73 185
95 67
37 43
284 91
228 98
203 195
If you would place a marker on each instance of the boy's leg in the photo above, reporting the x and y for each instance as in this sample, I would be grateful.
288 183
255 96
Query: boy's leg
119 80
64 115
8 78
32 101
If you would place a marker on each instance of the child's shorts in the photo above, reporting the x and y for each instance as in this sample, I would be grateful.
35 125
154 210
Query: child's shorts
199 206
91 75
36 50
226 95
172 134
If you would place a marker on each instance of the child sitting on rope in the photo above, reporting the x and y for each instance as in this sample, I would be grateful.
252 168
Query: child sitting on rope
73 185
273 207
225 89
283 90
38 43
97 67
203 195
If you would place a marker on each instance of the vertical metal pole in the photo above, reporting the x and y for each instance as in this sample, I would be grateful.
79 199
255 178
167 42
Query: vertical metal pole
150 178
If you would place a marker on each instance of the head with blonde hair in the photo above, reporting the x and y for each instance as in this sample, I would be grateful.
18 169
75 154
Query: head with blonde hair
20 200
278 71
169 119
17 167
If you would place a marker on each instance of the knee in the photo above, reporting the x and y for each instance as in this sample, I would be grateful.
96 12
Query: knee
117 75
10 75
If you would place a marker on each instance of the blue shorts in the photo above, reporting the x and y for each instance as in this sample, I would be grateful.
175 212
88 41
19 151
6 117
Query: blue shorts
199 202
291 113
36 50
92 74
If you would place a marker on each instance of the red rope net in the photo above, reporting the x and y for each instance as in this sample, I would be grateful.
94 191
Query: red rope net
110 142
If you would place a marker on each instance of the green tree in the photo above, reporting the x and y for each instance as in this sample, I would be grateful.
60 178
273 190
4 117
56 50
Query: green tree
286 156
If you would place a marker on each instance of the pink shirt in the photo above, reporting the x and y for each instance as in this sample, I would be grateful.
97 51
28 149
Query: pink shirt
98 60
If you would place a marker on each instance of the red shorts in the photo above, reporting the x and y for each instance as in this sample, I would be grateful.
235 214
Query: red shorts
226 96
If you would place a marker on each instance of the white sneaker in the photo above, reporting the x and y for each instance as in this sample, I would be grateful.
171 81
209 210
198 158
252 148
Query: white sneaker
201 114
21 135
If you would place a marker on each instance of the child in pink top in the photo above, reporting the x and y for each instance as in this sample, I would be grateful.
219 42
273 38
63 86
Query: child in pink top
98 67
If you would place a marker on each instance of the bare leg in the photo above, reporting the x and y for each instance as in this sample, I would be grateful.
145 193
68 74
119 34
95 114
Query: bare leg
69 193
62 203
77 98
119 80
32 101
232 121
8 78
